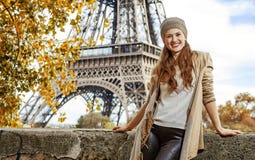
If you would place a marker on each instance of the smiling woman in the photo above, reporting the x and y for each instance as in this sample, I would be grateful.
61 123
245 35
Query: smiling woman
169 124
175 41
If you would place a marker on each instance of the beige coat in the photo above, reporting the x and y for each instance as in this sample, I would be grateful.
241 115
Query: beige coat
193 139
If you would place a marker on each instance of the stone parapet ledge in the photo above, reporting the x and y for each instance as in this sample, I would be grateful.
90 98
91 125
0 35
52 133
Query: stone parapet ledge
93 144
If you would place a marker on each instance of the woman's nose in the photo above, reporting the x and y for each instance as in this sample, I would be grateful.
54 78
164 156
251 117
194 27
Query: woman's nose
174 38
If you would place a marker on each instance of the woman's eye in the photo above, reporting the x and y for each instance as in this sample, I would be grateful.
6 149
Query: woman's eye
178 34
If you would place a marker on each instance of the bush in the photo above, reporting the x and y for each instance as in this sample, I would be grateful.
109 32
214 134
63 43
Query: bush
94 120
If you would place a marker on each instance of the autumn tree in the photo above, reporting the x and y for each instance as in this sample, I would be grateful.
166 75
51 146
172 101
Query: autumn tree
233 112
94 120
247 100
32 57
237 115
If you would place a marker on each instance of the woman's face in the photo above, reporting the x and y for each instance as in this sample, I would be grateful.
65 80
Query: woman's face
174 40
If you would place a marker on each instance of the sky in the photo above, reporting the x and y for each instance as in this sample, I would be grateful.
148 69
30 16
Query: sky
225 29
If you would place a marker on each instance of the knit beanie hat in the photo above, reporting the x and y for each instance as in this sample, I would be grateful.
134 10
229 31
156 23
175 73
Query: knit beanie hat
172 22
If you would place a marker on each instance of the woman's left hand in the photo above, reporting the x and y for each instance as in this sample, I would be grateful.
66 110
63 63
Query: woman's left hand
228 132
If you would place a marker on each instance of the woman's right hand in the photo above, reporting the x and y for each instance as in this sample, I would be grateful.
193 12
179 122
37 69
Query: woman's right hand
120 129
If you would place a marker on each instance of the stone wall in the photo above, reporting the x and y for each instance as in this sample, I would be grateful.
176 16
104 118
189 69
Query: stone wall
86 144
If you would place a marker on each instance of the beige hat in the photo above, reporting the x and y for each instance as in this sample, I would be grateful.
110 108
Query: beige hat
172 22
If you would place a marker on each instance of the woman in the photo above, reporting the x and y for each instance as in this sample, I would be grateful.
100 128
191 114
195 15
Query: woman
181 85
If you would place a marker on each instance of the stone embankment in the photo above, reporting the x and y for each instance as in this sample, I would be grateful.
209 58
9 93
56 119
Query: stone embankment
91 144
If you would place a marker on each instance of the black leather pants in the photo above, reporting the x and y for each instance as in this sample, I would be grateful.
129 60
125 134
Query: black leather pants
163 143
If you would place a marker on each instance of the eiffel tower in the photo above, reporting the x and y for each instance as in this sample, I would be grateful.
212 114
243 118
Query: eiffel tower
117 70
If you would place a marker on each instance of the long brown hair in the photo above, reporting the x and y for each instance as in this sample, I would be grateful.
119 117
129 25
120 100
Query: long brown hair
165 68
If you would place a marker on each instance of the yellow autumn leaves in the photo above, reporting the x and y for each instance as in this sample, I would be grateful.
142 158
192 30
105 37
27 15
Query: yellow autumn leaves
62 117
32 58
91 42
89 3
93 106
106 22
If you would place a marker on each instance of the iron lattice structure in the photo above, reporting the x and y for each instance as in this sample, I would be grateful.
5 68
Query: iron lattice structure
117 70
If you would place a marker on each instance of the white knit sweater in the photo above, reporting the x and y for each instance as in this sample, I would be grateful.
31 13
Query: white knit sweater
172 107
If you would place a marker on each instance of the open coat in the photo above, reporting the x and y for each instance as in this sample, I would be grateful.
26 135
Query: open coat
193 138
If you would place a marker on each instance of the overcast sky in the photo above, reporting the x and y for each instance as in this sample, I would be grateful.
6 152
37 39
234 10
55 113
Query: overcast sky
225 29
